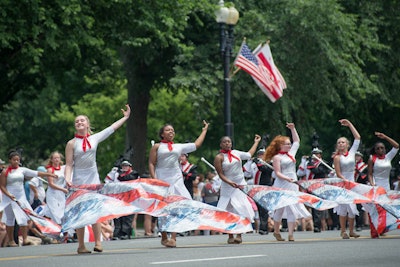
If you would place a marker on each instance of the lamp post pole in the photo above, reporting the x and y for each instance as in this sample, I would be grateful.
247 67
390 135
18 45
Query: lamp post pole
227 18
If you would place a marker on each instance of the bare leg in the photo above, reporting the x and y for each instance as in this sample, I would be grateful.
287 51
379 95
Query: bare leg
147 225
173 236
80 233
342 221
24 232
97 237
351 228
277 234
10 235
351 225
277 226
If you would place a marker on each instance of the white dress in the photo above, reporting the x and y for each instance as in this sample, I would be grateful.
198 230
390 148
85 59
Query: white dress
288 168
15 185
382 168
232 199
55 198
347 167
85 166
168 169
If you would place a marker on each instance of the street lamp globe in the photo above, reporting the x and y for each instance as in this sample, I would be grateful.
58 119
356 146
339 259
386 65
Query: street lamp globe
222 13
233 16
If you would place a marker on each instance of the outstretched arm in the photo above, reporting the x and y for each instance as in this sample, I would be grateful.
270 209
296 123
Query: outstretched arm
387 138
121 121
253 148
347 123
199 141
295 135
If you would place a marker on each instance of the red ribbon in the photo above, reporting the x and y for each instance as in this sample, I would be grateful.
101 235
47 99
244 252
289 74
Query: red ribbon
52 168
169 144
378 157
287 153
85 141
9 169
230 155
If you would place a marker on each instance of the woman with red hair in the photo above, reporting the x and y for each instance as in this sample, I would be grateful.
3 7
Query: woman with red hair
282 153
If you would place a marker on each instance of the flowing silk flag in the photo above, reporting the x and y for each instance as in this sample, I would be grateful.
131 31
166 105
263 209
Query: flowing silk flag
184 214
259 72
383 208
263 53
131 191
321 188
84 207
382 220
272 198
45 225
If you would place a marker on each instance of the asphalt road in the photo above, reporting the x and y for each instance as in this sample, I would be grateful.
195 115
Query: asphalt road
310 249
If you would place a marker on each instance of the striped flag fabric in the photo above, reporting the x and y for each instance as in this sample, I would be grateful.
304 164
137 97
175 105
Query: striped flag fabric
263 77
264 54
383 207
182 214
272 198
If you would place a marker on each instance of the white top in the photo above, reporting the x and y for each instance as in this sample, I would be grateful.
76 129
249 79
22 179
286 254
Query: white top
288 168
348 163
382 168
232 199
15 185
85 166
168 169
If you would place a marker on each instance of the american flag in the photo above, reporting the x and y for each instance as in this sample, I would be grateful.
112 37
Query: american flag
260 73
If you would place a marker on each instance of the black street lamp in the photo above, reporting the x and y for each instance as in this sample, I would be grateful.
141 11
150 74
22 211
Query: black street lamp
227 19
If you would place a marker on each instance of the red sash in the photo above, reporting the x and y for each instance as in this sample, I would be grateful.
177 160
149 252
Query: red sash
85 142
169 144
230 155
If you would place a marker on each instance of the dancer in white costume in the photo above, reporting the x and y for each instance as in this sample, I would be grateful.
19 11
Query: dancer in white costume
228 164
344 162
379 163
164 165
81 166
56 191
379 168
12 187
282 153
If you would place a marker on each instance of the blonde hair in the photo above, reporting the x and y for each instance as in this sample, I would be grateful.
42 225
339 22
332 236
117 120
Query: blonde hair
347 142
274 147
50 161
90 131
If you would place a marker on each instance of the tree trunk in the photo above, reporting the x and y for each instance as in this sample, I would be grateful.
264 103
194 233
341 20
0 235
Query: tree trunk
139 85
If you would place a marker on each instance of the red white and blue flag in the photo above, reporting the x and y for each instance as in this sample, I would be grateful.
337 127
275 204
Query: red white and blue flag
272 198
383 207
45 225
184 214
177 214
262 70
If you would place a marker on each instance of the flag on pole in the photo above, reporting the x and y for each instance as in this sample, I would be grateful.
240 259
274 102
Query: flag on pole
263 53
260 73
